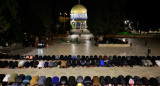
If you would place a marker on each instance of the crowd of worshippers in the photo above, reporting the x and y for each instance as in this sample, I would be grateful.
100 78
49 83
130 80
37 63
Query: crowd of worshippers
76 61
22 80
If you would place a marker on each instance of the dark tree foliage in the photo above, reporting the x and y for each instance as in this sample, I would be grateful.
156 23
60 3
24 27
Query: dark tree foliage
9 22
106 16
145 12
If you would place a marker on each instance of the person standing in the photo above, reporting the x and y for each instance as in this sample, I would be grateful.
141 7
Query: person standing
149 51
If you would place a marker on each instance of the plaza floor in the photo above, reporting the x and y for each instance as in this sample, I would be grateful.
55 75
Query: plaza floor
87 47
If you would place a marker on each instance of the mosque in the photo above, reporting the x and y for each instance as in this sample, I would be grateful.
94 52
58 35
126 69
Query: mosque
78 17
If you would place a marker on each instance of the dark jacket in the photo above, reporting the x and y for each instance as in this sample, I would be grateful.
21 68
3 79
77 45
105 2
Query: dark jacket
88 63
35 64
69 63
26 64
1 77
51 64
97 63
79 79
48 81
115 81
83 63
46 64
108 80
41 80
145 81
72 81
63 80
20 78
102 80
158 79
15 64
153 82
78 63
27 79
87 80
121 80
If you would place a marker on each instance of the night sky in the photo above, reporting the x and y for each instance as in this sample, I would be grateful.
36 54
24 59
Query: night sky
143 10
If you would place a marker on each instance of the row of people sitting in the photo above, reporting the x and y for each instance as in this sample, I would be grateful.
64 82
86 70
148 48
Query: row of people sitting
21 80
78 57
73 63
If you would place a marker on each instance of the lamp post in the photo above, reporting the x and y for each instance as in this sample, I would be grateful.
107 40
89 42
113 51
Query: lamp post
64 17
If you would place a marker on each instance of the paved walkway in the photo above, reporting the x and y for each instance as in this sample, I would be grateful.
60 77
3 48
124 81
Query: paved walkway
87 47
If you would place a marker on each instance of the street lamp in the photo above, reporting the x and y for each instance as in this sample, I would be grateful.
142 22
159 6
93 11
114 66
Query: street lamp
64 17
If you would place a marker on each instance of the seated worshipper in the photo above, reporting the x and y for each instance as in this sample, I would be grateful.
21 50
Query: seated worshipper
55 81
59 63
131 82
26 64
57 57
21 63
108 80
97 63
88 63
93 63
41 80
149 62
102 63
50 64
87 80
79 79
6 78
2 77
63 80
158 79
137 80
153 81
68 63
83 63
96 81
48 81
31 63
158 62
40 65
20 78
10 63
127 79
144 62
46 64
78 63
15 64
34 80
145 81
78 57
35 64
74 63
121 80
63 64
55 64
102 80
115 81
72 81
13 77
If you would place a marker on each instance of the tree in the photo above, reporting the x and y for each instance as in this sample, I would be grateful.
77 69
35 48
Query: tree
44 11
9 21
106 16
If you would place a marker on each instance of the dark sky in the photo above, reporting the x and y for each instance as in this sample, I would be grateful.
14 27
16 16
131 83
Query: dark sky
143 10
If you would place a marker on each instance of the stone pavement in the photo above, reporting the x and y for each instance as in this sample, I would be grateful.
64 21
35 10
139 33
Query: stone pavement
87 47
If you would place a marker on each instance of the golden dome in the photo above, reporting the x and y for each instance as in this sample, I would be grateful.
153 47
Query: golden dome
78 9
